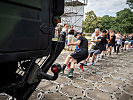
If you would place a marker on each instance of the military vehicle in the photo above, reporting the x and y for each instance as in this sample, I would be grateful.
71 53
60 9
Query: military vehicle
27 51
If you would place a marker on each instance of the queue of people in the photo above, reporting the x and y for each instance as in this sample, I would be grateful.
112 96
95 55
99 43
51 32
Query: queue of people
103 43
69 34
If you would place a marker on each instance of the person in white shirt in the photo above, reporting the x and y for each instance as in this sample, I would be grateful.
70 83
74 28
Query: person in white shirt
118 42
95 35
64 29
71 33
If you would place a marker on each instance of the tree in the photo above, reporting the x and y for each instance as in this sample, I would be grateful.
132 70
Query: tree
125 20
130 3
108 22
91 22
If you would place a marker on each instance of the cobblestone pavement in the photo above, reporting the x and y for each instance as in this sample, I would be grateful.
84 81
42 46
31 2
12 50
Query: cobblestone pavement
109 79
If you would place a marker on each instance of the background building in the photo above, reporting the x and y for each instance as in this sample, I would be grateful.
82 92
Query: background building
74 13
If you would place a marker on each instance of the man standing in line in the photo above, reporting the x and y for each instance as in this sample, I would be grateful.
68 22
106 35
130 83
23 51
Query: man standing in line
59 29
118 43
71 33
111 44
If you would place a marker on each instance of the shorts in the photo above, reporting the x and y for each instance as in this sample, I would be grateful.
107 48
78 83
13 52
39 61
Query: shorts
111 44
80 55
126 42
95 52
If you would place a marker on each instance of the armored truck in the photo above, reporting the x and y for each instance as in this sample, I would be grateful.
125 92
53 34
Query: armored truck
27 51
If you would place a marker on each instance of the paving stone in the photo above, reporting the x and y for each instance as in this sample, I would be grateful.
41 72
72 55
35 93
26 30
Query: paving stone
91 77
98 73
128 68
36 95
107 87
43 83
109 79
83 83
122 70
81 99
54 96
113 81
104 61
129 82
77 75
62 80
117 96
119 75
98 95
128 89
48 86
104 71
123 96
77 70
112 70
3 97
71 90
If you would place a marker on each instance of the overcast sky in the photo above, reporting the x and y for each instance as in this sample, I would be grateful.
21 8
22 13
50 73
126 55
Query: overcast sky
105 7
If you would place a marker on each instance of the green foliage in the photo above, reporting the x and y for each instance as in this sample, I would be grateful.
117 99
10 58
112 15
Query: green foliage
91 22
123 22
108 22
130 3
88 35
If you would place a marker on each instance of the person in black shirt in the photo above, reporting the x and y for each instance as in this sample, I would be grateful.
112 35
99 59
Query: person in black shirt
123 43
108 34
78 55
101 41
105 45
112 41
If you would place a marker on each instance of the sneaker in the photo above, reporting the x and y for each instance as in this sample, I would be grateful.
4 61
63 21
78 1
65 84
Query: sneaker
70 73
92 63
63 68
62 71
85 64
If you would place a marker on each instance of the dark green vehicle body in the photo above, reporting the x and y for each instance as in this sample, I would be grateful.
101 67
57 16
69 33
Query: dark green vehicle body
26 31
